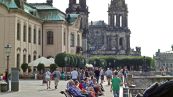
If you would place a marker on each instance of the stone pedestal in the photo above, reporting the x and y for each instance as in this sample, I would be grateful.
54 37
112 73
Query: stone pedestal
14 86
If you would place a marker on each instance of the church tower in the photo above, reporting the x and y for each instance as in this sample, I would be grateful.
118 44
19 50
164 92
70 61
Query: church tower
117 14
82 9
118 20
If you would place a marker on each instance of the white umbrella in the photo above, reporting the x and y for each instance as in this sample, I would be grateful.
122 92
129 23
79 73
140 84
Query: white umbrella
89 65
52 60
42 60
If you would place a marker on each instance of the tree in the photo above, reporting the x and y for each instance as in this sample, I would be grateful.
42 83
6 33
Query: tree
24 67
53 67
40 67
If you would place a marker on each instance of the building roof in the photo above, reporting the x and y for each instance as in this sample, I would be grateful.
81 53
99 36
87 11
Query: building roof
50 13
72 18
42 6
9 3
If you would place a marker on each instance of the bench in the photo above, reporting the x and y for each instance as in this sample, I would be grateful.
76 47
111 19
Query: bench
66 93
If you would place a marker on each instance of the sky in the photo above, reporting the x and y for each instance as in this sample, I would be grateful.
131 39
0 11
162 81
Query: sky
150 21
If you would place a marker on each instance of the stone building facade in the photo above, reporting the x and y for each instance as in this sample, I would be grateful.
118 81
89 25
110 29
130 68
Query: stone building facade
164 60
35 30
82 9
114 38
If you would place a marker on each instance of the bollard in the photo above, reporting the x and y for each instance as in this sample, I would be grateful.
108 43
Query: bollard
14 79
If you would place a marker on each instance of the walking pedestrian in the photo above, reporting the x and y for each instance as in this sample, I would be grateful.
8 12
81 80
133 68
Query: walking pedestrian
48 78
56 75
97 74
116 82
74 74
108 75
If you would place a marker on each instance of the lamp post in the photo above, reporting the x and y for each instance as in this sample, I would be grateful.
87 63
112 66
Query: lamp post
7 51
65 59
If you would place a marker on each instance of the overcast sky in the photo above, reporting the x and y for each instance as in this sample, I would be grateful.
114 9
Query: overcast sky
150 21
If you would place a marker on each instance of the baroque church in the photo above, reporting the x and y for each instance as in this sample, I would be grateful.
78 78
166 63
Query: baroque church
114 38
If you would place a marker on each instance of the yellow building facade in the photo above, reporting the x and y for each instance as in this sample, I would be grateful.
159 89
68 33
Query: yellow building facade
35 30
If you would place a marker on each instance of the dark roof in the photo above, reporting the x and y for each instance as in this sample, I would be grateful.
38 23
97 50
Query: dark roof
42 6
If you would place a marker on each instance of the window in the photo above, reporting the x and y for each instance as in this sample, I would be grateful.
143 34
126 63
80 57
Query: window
24 58
29 58
64 38
34 57
49 37
78 40
39 37
18 31
18 61
121 42
34 36
72 40
29 34
24 33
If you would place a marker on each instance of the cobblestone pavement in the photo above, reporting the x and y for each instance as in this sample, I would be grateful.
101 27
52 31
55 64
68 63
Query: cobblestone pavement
34 88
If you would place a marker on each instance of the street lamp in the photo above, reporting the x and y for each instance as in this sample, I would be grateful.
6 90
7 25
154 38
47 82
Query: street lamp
7 51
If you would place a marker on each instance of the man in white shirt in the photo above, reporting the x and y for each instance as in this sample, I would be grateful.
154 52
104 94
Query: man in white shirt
74 75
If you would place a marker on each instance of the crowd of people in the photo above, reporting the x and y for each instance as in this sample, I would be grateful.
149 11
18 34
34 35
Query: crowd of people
88 82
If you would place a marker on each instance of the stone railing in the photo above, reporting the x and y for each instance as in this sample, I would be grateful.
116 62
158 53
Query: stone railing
134 91
137 84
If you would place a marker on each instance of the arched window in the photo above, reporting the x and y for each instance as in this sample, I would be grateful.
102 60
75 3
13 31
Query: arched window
121 41
35 35
18 31
78 40
64 38
24 58
29 34
72 40
18 61
34 57
39 37
29 58
49 37
24 33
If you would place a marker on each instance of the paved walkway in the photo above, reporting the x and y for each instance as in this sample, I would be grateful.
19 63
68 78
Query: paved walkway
34 88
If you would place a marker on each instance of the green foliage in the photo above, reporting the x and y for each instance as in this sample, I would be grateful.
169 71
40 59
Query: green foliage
72 60
121 61
24 67
40 67
53 67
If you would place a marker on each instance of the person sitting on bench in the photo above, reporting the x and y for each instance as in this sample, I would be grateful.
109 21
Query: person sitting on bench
73 90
